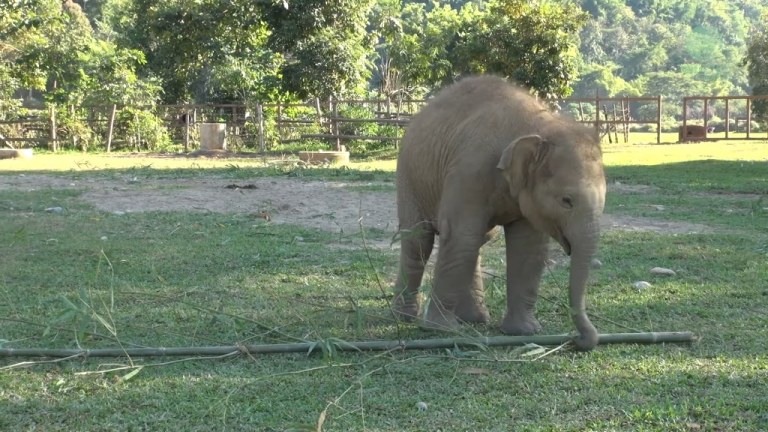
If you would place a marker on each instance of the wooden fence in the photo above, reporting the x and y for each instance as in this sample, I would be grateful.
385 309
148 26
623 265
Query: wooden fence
329 119
617 114
340 121
704 131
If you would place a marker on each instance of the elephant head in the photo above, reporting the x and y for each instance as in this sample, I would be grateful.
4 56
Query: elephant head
558 181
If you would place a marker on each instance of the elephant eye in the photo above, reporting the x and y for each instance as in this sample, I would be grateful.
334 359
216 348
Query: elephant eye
567 202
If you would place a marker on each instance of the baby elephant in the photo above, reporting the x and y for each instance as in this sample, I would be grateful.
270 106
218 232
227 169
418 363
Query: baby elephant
482 154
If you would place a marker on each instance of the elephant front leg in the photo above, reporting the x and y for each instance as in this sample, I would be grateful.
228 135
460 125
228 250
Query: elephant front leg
415 249
470 307
457 290
526 255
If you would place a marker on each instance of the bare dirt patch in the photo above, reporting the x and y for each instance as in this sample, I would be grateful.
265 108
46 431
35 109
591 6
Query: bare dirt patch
327 205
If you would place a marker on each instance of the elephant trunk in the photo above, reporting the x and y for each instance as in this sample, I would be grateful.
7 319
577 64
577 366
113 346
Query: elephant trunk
584 246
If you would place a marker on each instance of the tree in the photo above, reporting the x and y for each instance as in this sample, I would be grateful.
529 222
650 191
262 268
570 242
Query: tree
533 42
188 44
756 62
703 40
604 80
422 50
55 50
47 36
325 45
213 51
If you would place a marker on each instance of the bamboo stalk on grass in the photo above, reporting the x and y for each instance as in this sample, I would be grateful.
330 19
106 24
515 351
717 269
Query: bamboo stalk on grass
382 345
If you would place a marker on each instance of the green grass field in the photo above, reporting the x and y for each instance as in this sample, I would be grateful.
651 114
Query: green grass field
93 279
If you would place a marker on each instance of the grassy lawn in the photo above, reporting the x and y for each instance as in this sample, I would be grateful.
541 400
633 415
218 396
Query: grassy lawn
94 279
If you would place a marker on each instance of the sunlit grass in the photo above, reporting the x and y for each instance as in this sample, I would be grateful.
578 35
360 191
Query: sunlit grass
653 154
642 150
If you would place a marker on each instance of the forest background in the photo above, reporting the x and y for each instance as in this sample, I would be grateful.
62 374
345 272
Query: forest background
140 53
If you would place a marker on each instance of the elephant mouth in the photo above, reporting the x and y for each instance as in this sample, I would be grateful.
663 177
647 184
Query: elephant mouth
565 244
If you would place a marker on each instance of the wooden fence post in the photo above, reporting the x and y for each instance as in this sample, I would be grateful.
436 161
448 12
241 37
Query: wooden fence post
597 114
111 127
54 134
684 133
749 117
187 120
727 117
625 117
335 121
658 120
320 120
260 119
706 114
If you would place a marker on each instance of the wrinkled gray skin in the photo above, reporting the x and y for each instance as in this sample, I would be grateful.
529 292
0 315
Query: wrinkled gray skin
482 154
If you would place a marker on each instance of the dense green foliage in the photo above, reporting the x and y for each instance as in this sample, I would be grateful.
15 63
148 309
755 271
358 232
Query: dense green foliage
639 47
144 52
757 67
425 46
210 51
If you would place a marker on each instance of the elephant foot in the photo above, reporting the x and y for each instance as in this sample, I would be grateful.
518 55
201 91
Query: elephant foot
437 317
473 313
406 308
520 325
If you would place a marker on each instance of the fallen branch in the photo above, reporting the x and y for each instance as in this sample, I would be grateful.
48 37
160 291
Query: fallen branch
384 345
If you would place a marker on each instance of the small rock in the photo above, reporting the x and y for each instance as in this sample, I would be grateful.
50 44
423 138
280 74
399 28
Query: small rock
118 213
663 271
421 406
641 285
54 209
104 238
659 207
596 263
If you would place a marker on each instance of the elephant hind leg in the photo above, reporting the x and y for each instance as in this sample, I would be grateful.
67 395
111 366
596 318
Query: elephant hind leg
415 248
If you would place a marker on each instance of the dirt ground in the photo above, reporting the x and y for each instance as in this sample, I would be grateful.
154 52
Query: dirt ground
327 205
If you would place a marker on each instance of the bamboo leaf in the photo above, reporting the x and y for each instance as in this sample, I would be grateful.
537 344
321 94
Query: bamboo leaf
131 374
66 316
312 348
67 302
104 322
534 351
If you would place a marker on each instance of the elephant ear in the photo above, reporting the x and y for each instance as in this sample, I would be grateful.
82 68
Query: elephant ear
519 160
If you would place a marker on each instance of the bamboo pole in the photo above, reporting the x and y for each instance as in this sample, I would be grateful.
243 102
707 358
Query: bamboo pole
382 345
